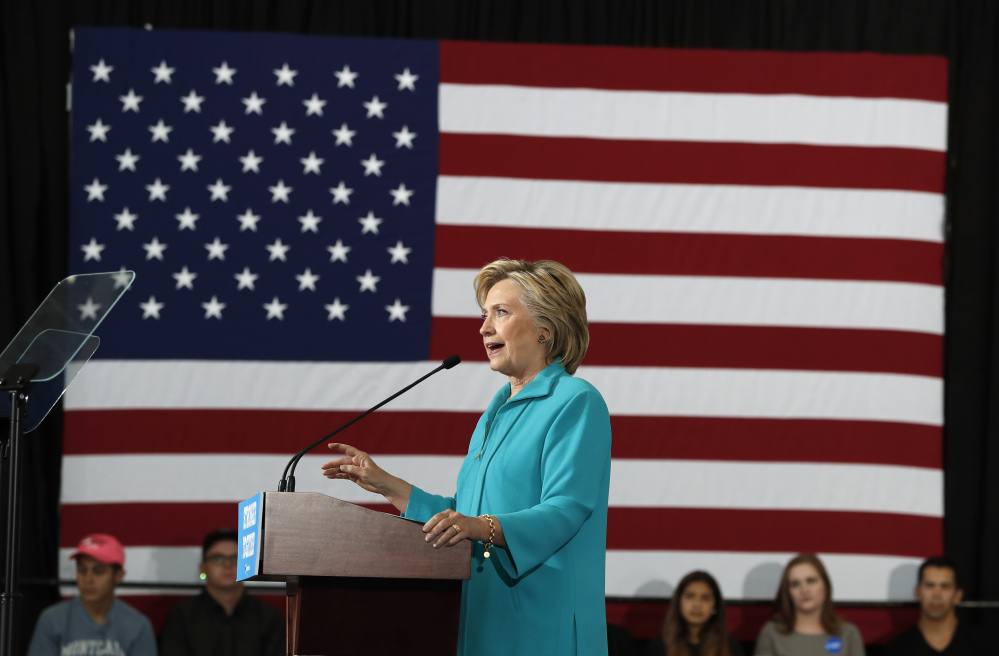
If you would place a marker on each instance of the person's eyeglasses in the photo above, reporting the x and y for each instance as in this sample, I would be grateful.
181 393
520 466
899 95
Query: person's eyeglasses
222 560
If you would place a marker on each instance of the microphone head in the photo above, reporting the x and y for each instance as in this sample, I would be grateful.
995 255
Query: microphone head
451 361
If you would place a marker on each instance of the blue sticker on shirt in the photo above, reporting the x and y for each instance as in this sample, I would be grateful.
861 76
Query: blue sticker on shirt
834 645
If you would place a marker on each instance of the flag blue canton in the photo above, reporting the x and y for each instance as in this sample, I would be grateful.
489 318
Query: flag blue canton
274 194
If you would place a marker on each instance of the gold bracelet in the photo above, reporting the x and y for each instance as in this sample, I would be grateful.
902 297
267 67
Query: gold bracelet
492 535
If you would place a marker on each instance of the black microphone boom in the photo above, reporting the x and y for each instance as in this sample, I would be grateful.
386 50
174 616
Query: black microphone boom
287 483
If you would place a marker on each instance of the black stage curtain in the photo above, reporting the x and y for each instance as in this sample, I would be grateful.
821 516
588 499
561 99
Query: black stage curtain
34 162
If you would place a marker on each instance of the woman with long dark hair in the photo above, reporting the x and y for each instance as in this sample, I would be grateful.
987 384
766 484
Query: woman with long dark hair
695 621
805 622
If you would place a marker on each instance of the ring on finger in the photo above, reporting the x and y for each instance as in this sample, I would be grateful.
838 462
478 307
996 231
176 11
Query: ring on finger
457 529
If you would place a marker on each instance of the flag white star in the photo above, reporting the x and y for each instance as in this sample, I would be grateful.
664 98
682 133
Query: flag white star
92 250
338 251
277 250
397 311
246 279
161 132
213 308
375 107
102 72
130 101
157 190
189 161
254 104
89 309
224 74
122 278
219 191
310 222
404 138
154 249
311 163
127 160
279 192
344 135
344 77
163 73
341 194
401 195
251 162
336 309
187 219
407 80
98 131
285 75
372 165
399 253
307 280
369 223
216 250
95 190
151 308
185 278
282 133
248 220
368 281
192 102
313 105
221 131
275 309
126 219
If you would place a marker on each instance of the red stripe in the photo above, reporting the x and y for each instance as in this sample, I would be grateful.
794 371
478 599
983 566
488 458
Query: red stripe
774 531
863 75
427 433
728 347
780 531
686 254
683 162
644 618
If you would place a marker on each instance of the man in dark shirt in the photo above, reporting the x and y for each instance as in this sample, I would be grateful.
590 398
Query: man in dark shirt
938 631
223 620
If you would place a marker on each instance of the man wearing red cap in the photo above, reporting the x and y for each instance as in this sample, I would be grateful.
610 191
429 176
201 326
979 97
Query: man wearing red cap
95 622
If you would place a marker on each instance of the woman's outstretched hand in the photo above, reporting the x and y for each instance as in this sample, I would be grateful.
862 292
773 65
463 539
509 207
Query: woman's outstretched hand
359 468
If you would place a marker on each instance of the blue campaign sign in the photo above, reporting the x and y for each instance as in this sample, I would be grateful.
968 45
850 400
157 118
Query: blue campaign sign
250 514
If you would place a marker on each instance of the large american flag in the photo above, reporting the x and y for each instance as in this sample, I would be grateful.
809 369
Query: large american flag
759 236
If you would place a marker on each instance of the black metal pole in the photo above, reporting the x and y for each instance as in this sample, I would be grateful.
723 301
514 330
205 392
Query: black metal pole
10 599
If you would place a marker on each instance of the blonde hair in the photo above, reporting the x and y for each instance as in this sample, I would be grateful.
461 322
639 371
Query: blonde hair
553 298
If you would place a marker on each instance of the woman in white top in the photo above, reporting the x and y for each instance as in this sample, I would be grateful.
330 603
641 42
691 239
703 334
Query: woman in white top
804 621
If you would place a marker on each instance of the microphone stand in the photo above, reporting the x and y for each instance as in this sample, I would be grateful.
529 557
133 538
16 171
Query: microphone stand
287 482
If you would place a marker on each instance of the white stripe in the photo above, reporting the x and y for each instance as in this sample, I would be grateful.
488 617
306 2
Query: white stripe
713 209
718 300
642 574
155 565
634 483
643 391
677 116
654 574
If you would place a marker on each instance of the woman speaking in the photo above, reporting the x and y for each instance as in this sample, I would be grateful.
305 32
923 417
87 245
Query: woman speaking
532 491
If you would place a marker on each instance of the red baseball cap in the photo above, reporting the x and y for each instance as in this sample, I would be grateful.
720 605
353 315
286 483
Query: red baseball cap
103 548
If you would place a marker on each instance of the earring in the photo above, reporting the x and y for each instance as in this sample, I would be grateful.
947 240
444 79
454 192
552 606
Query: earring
541 338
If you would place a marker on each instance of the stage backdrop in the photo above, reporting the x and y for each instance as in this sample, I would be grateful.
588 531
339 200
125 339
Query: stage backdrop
759 235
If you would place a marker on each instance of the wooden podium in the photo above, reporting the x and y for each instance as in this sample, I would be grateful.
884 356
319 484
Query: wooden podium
360 581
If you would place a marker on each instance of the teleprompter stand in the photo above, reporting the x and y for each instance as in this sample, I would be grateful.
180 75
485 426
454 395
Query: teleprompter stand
359 581
39 364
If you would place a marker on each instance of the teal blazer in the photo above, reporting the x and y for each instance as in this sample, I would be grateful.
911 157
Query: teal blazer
544 473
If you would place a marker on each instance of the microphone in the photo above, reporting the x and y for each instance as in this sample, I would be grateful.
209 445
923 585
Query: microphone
287 482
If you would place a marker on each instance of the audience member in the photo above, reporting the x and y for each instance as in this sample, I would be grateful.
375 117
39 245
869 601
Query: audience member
94 622
695 621
223 620
804 622
938 631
